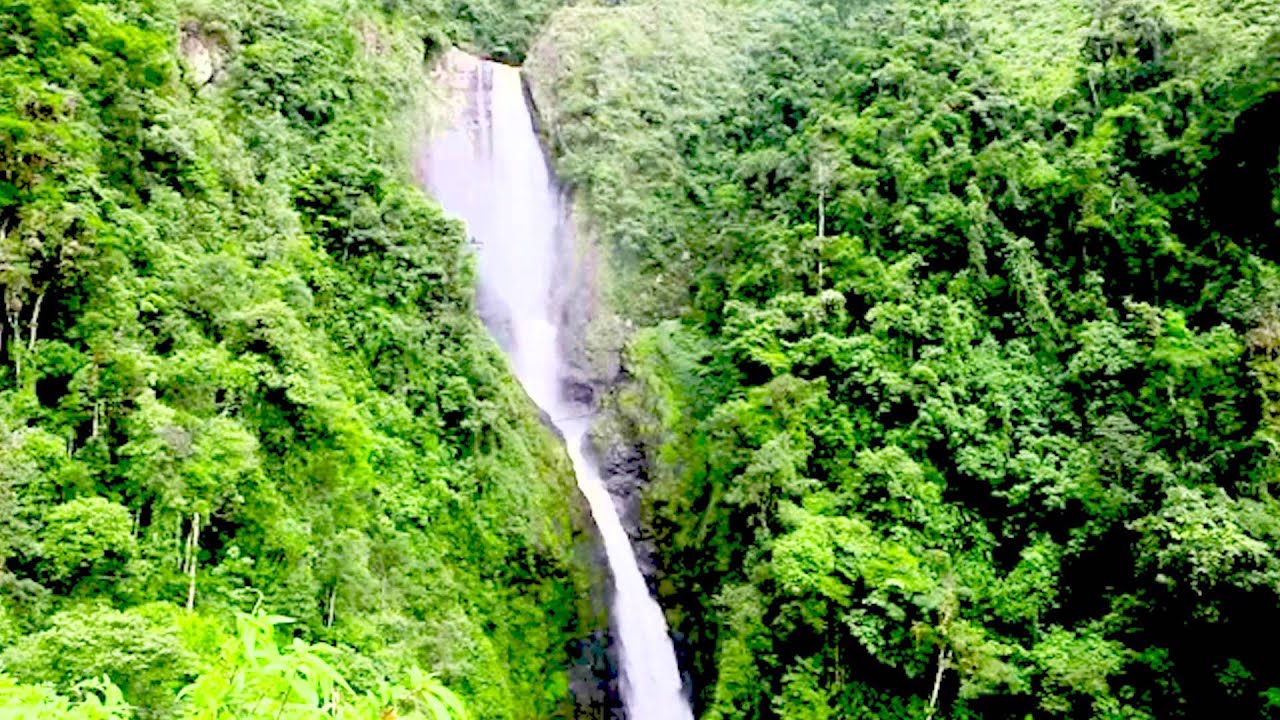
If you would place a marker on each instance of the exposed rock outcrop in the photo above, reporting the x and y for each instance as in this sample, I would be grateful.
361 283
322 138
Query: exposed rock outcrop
204 50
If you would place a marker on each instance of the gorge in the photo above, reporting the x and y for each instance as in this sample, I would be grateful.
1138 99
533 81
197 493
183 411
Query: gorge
932 345
490 170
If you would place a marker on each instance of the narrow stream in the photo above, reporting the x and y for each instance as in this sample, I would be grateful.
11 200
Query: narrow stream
491 172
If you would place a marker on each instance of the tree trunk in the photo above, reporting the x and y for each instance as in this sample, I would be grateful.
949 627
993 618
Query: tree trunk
950 605
193 547
944 659
822 231
35 322
822 214
14 353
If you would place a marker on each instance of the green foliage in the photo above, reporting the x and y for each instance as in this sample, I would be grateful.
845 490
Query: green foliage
87 536
501 29
35 702
954 358
1075 665
138 649
240 367
1196 539
254 675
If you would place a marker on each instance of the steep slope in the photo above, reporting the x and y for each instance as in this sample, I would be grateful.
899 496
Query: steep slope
241 371
953 362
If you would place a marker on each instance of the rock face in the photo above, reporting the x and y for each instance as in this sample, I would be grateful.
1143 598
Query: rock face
453 79
594 345
204 51
626 475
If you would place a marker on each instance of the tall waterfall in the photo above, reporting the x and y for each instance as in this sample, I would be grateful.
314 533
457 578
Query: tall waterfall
490 171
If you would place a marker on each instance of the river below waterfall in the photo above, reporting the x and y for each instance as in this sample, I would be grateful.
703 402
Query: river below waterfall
490 170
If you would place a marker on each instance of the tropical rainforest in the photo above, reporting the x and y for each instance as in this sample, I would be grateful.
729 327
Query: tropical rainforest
949 337
257 456
951 343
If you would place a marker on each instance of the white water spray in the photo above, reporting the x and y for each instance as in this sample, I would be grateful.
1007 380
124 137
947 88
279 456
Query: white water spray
491 172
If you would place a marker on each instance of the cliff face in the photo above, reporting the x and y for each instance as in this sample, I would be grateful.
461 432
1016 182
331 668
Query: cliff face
597 331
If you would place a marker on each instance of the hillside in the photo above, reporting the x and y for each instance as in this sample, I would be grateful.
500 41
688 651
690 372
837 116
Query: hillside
937 343
953 351
253 440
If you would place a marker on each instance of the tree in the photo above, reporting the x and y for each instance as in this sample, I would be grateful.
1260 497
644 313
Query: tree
139 649
87 538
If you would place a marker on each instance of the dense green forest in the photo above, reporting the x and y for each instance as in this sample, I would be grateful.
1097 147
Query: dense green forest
954 348
951 339
257 456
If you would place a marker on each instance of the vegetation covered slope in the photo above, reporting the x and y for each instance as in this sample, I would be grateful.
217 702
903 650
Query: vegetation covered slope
956 367
240 373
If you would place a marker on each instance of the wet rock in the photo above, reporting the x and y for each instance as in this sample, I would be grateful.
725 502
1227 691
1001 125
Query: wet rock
593 678
579 393
625 474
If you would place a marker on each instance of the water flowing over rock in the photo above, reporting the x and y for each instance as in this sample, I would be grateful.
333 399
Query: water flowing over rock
490 170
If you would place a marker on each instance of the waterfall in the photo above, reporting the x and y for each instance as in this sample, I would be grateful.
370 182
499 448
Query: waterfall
490 170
